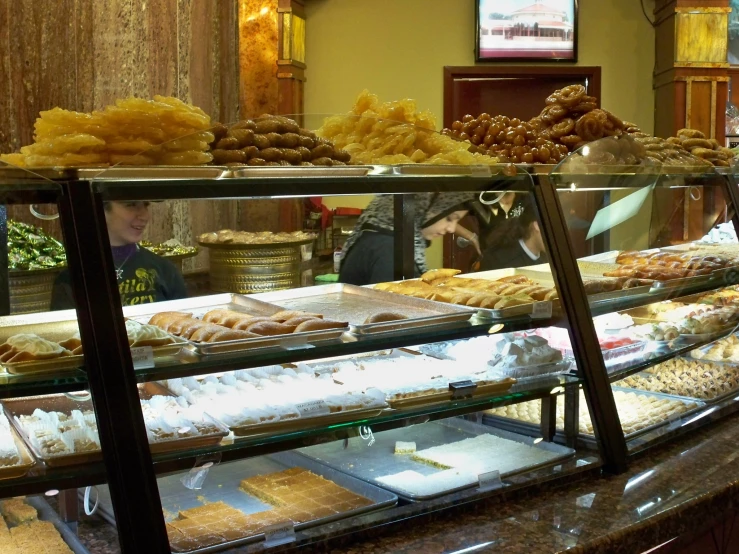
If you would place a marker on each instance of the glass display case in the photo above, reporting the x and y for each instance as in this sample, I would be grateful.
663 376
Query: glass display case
291 414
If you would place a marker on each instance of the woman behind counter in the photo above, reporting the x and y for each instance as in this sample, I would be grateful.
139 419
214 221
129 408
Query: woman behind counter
367 257
143 277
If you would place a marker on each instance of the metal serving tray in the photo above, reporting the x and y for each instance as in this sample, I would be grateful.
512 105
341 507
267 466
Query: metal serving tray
153 173
533 429
47 513
717 399
248 304
355 304
300 171
370 462
223 484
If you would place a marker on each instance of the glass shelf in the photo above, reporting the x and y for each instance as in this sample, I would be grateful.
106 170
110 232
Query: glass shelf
188 363
34 384
41 479
264 443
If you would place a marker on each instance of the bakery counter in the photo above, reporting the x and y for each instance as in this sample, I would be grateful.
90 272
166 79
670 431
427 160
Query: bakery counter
677 490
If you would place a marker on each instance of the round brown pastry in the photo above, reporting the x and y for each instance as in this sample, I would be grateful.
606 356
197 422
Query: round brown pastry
305 153
342 156
257 161
690 133
307 142
591 125
229 156
307 133
562 128
268 125
251 152
322 151
553 113
206 332
570 140
324 161
697 143
271 154
244 136
274 138
163 318
569 96
289 140
721 163
706 153
383 317
244 124
319 325
228 143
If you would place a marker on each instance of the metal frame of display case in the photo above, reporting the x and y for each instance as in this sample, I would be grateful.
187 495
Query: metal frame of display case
128 465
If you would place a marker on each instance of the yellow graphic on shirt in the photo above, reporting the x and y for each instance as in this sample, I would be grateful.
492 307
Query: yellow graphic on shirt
140 289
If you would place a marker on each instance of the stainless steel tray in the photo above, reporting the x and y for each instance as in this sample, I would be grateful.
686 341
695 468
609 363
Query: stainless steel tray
223 482
301 171
355 304
47 513
153 173
369 463
249 304
684 282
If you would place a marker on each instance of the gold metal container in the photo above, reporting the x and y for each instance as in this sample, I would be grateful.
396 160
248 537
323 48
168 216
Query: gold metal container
30 291
252 268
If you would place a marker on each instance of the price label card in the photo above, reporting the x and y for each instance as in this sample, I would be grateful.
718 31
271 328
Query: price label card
279 533
462 389
489 481
542 310
313 408
142 357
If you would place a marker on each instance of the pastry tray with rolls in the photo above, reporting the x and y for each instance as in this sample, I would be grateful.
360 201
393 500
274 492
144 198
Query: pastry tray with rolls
237 302
354 304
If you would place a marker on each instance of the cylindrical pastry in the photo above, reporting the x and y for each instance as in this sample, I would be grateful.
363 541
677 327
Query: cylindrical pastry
319 325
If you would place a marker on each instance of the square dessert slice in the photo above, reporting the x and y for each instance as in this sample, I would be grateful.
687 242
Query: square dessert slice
16 511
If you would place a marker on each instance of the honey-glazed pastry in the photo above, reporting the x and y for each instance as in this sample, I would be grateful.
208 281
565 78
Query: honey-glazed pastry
244 324
178 326
230 334
320 324
273 328
438 274
383 317
289 314
511 301
28 347
163 318
206 332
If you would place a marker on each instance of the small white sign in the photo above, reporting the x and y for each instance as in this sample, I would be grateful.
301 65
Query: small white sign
542 310
142 357
480 170
279 533
489 481
313 408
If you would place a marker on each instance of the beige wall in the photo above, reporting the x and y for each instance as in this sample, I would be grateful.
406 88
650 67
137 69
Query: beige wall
398 48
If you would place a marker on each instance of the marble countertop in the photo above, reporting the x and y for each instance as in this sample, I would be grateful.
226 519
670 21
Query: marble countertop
671 490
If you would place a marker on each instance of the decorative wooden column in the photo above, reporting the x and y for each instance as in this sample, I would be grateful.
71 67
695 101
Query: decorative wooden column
691 68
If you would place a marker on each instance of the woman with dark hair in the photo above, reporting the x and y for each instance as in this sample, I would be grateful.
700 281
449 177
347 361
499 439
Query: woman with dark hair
143 277
518 242
367 256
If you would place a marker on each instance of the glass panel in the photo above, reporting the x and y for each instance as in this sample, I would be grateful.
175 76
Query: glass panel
657 254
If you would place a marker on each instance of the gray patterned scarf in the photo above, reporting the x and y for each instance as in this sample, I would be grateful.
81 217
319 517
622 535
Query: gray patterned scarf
430 207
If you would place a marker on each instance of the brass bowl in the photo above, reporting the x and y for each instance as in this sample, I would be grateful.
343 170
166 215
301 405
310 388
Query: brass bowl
252 268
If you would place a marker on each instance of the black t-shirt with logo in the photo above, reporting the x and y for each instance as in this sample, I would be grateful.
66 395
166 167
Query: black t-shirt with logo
146 278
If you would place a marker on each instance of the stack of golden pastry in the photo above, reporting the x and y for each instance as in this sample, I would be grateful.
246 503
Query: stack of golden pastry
296 495
723 350
695 142
395 133
683 377
162 131
28 534
442 285
273 140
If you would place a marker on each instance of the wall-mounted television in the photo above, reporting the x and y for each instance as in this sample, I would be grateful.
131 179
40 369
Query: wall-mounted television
526 30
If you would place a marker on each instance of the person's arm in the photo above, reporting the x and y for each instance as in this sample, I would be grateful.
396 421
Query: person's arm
470 237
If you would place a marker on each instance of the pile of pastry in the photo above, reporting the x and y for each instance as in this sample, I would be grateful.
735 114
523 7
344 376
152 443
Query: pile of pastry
139 334
167 420
227 325
698 145
273 140
294 494
396 133
134 131
665 266
21 530
270 394
442 285
684 377
636 411
61 434
725 297
227 236
9 455
598 286
723 350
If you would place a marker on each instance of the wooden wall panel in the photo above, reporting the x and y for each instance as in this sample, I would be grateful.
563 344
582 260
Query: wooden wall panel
83 55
